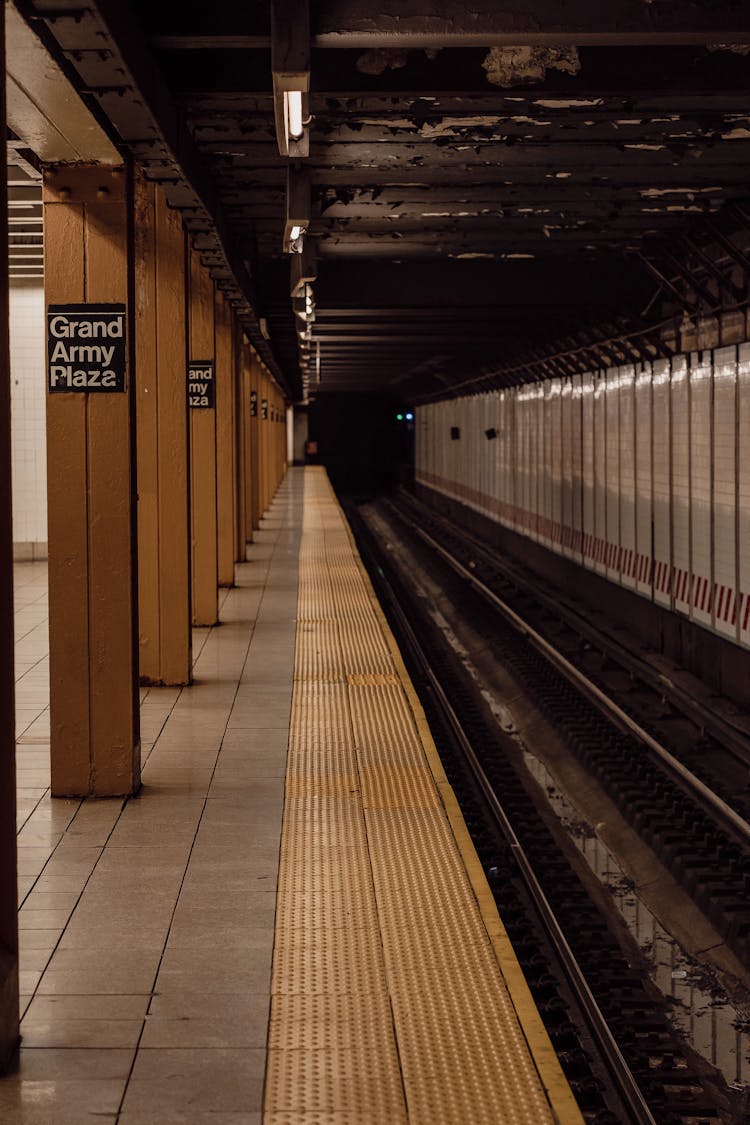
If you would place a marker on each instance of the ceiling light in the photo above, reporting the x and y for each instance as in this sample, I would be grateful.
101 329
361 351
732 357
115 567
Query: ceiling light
293 114
290 64
298 208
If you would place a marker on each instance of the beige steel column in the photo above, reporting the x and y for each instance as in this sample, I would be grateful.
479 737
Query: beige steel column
8 863
244 415
205 573
163 452
276 443
95 747
226 462
239 438
267 443
255 493
263 443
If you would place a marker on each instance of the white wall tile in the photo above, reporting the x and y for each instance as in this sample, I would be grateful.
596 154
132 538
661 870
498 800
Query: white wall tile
28 406
641 474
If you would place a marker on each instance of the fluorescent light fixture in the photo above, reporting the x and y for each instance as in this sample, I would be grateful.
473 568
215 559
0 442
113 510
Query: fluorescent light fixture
293 114
298 208
290 64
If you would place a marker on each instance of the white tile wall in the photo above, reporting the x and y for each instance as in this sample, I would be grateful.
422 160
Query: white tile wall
576 468
661 422
743 490
566 459
680 487
554 407
29 434
587 468
725 491
612 472
628 562
600 470
644 481
545 453
701 411
642 474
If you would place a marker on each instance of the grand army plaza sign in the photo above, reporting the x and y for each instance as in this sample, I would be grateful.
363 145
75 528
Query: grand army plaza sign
86 348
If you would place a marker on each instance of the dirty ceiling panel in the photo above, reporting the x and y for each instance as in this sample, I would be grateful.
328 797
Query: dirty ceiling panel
482 182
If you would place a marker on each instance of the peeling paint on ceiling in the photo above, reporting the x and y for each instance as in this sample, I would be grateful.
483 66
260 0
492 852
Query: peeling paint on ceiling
518 66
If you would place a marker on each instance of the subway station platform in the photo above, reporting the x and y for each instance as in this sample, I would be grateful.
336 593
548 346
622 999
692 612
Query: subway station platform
289 923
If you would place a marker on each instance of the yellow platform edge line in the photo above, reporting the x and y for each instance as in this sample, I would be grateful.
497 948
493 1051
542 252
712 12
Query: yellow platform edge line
560 1096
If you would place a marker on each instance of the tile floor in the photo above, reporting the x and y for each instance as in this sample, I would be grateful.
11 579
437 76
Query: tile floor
147 925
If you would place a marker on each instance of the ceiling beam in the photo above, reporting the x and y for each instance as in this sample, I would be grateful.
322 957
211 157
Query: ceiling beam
441 23
452 23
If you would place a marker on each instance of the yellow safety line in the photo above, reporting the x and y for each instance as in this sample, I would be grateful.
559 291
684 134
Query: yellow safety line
555 1083
395 994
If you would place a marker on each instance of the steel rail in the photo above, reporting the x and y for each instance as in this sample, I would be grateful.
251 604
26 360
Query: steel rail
732 737
731 820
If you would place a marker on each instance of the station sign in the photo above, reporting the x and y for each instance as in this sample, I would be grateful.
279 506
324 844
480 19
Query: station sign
201 385
86 350
264 409
253 404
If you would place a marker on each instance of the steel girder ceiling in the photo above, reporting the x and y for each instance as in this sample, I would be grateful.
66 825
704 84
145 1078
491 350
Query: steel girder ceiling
483 180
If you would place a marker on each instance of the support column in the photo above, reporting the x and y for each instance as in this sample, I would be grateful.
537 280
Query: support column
226 461
163 452
95 746
244 410
263 442
8 863
276 440
255 460
205 563
280 438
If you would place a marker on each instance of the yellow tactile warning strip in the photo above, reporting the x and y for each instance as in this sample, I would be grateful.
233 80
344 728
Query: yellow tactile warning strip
396 996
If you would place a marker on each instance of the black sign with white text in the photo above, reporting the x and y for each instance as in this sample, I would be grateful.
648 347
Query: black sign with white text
85 348
253 404
201 385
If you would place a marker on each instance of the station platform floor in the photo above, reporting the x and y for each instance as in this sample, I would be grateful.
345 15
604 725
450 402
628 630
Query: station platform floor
289 923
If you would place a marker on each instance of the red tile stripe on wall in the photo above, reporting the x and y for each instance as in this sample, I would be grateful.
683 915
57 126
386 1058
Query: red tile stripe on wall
635 565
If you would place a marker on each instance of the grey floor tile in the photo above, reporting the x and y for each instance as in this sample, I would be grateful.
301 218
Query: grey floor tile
216 969
56 1031
206 827
206 1020
194 1081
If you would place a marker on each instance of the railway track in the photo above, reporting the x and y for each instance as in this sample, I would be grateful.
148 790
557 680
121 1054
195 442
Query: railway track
613 1037
684 810
716 746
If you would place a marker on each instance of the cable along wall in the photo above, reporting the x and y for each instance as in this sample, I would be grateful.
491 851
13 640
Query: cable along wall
640 473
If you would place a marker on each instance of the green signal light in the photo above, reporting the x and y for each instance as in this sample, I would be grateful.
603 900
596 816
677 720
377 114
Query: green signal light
399 417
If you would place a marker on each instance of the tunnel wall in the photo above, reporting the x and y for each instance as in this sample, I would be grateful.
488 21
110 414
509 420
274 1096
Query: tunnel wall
638 475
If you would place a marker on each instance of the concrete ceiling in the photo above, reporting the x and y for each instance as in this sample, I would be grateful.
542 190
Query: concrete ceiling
485 182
